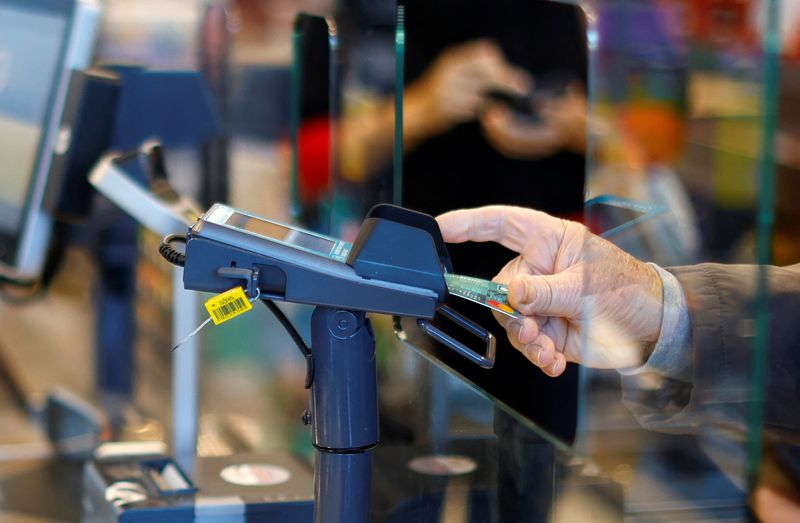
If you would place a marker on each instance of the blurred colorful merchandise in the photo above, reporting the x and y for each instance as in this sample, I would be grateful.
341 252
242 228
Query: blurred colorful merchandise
723 24
314 162
643 52
791 33
656 129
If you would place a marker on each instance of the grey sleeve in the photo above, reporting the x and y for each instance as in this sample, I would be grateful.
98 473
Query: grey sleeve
671 357
721 307
657 392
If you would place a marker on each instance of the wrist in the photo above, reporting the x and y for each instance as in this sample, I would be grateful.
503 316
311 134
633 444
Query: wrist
652 312
421 115
671 355
656 302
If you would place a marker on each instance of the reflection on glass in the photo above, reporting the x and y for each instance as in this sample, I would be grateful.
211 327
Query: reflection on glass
498 106
680 118
492 116
679 121
344 76
313 117
363 174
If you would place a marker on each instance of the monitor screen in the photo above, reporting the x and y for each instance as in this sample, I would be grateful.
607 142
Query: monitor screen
30 49
35 37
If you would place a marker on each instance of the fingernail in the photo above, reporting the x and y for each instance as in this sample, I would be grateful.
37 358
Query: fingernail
517 291
541 360
555 367
514 328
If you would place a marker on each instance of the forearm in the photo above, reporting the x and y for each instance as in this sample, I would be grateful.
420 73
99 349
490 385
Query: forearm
366 140
671 356
367 136
421 119
725 306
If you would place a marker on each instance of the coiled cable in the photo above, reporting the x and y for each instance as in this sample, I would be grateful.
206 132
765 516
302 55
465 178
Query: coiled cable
170 253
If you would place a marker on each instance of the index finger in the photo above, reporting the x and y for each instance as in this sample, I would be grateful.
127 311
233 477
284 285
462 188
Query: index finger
511 227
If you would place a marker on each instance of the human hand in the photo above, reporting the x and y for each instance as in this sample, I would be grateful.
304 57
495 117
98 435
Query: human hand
584 300
563 127
453 89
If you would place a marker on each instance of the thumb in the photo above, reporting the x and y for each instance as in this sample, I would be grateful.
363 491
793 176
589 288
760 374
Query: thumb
556 295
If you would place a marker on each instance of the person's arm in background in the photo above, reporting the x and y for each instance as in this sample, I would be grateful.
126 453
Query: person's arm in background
454 89
451 91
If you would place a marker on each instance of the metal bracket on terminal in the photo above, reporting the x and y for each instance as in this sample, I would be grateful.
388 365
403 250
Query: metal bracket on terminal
484 360
248 275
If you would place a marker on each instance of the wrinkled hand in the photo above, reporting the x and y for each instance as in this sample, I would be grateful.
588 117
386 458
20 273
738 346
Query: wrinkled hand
584 300
563 127
453 89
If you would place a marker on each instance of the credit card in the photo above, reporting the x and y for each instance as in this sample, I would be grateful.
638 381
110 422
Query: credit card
484 292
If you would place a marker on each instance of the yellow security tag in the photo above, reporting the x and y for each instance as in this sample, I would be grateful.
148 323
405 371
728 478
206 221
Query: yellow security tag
227 305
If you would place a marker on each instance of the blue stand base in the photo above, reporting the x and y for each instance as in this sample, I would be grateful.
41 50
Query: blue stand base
342 485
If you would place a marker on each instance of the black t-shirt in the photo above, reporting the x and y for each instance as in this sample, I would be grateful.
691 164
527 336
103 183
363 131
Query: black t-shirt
460 169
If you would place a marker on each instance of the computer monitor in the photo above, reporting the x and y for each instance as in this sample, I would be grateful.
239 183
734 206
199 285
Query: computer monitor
41 42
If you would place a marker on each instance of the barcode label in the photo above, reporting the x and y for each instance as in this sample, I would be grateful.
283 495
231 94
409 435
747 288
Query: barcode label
228 305
230 309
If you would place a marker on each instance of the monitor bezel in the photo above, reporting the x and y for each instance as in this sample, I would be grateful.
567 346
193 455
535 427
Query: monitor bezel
25 247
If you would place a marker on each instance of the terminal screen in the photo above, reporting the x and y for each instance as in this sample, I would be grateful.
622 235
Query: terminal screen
282 233
30 51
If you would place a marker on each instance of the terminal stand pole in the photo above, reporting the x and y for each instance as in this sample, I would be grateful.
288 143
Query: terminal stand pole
344 414
185 378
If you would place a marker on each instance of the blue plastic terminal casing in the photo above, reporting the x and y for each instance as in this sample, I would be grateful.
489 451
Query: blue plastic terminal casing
401 246
395 265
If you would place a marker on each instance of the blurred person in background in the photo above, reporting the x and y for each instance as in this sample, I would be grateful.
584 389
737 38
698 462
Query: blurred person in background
492 115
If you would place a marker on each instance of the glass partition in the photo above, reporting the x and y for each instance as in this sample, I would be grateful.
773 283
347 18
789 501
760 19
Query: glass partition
343 75
653 123
469 74
682 121
465 88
